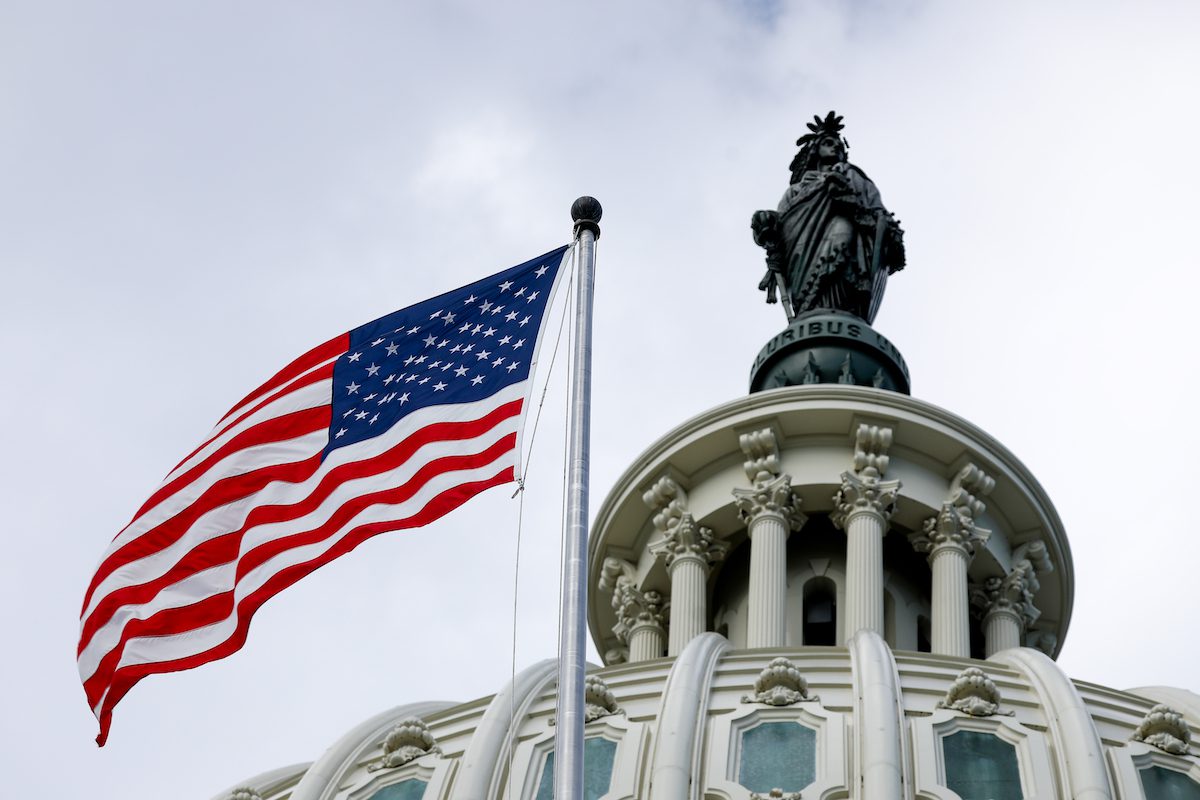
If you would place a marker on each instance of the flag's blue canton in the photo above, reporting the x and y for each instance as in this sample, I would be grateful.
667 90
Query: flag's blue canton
459 347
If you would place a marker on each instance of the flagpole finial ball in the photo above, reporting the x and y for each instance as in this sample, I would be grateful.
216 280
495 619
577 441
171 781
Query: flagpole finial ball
586 212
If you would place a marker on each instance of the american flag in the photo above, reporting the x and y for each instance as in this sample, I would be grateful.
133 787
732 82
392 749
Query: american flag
387 427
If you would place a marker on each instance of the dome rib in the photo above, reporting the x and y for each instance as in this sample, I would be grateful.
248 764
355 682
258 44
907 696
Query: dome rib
323 777
880 734
1080 752
481 761
681 719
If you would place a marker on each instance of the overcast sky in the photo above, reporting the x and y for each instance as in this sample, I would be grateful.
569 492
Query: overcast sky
193 193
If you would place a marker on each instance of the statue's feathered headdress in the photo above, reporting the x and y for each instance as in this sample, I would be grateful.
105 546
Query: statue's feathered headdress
817 130
830 126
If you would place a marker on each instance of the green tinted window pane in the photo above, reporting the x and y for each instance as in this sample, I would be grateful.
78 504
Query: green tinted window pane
1160 783
411 789
778 755
598 756
981 766
546 784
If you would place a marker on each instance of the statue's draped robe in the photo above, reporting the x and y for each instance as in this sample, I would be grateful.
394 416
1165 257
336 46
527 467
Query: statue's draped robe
828 257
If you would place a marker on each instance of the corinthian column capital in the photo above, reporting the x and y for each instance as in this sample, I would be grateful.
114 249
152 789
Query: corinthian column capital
1001 597
637 608
1015 590
863 494
686 539
772 497
1011 595
952 529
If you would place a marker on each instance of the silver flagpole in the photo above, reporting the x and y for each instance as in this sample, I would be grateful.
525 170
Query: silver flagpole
568 738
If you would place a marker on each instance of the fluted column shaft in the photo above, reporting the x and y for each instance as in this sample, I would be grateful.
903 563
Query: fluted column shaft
645 641
1007 602
767 624
688 549
862 508
1002 630
951 633
771 512
864 572
950 538
689 578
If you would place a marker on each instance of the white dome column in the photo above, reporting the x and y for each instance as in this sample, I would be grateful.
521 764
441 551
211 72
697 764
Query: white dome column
771 512
950 540
1007 603
640 619
862 509
689 551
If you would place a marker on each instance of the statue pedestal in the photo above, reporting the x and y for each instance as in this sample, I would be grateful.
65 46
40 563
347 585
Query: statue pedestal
826 346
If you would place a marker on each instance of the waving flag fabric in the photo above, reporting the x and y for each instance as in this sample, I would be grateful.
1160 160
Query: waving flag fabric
386 427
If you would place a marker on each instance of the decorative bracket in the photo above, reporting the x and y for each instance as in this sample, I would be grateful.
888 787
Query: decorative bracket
762 455
668 499
968 487
863 488
871 443
615 571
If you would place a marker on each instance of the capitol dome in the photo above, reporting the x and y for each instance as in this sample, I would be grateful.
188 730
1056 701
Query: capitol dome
825 589
729 677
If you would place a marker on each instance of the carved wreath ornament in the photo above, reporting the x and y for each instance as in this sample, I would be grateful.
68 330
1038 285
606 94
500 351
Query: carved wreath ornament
1166 729
598 700
406 742
973 693
775 794
780 684
244 793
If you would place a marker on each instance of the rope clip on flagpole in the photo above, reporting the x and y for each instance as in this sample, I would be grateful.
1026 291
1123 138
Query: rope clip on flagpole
568 744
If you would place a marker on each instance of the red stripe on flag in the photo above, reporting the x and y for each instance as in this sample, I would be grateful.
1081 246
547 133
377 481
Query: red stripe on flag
319 354
204 612
224 548
124 679
277 429
224 490
308 379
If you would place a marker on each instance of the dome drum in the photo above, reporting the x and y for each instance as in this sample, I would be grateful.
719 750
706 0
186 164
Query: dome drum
1019 560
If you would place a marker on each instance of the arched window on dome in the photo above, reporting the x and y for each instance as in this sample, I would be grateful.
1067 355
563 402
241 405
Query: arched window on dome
924 643
820 612
889 619
777 755
411 789
1161 783
598 756
982 766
